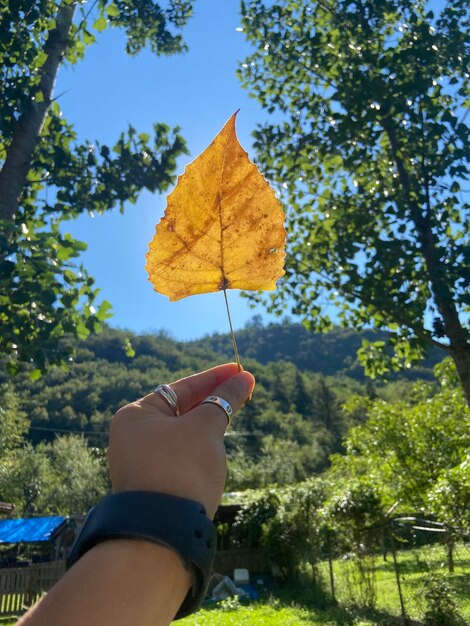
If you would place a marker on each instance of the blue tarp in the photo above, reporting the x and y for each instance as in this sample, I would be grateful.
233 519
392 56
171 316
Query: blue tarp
29 530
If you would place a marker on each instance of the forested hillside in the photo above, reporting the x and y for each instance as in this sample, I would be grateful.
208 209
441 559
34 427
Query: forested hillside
328 353
288 431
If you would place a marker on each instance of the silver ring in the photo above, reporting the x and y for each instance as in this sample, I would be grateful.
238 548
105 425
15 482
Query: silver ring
223 405
167 393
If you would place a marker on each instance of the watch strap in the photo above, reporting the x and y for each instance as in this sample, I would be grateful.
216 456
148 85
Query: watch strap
176 523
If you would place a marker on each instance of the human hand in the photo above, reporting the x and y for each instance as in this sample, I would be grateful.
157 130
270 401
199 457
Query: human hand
151 449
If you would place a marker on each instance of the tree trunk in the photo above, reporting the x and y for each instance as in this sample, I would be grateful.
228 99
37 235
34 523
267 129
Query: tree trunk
27 129
437 273
462 362
313 567
450 554
330 567
398 581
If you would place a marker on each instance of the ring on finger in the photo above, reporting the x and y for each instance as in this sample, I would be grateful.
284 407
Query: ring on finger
167 393
224 405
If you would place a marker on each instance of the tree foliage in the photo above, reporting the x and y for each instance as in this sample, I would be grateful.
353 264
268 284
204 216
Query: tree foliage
369 147
63 477
13 421
49 175
330 354
414 452
288 430
407 457
287 525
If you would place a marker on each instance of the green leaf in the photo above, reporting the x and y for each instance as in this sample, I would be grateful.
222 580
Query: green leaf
100 24
104 311
35 374
40 59
129 350
82 331
112 10
12 368
88 38
70 277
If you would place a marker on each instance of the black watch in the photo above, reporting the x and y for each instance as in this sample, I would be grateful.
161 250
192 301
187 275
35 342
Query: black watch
179 524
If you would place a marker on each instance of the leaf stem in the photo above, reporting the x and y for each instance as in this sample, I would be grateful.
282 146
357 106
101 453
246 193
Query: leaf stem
232 334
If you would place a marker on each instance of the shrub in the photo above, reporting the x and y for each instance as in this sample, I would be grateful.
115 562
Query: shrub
441 608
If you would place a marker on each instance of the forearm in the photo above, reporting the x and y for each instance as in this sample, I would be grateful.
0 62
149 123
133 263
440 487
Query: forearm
118 582
156 452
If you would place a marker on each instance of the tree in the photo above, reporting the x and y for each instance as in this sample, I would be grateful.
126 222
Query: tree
58 478
301 398
280 394
281 461
48 176
301 520
415 453
449 500
326 406
79 476
13 421
24 477
369 148
295 534
356 514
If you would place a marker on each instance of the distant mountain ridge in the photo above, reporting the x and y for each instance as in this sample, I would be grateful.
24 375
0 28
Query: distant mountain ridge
287 432
326 353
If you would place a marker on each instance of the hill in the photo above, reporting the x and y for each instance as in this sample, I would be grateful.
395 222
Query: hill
329 353
288 431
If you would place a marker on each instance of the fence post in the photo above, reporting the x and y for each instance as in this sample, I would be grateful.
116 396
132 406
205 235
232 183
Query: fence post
397 576
330 565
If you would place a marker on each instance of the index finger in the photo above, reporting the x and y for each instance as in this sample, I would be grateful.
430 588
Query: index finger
193 389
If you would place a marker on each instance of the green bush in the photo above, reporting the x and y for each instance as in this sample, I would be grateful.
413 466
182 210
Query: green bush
441 607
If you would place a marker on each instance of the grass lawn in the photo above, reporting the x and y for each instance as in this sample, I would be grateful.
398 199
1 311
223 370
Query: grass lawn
255 615
414 566
297 606
276 613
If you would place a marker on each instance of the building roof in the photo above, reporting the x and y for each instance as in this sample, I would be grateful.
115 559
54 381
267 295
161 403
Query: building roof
6 507
29 530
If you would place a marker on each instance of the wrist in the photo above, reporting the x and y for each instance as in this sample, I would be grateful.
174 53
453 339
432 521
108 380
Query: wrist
117 582
175 523
148 569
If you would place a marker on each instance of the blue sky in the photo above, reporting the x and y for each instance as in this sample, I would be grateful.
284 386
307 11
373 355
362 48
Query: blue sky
198 91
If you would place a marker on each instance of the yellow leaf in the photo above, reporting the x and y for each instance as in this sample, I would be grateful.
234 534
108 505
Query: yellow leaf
223 226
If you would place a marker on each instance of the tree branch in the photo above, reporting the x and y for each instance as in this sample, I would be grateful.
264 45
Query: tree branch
394 313
457 334
27 129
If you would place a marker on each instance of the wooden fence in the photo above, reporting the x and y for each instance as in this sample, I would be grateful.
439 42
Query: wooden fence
20 587
228 560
